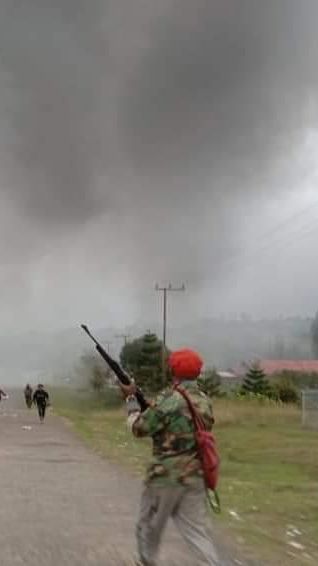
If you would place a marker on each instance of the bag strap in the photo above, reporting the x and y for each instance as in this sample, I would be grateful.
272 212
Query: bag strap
196 417
214 502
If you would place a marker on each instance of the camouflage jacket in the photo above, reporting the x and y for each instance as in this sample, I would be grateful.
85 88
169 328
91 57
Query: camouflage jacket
169 424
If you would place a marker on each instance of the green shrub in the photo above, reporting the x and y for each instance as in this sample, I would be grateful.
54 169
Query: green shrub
286 391
300 379
268 398
210 383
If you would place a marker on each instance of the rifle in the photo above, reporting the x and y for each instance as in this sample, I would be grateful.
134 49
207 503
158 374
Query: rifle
121 375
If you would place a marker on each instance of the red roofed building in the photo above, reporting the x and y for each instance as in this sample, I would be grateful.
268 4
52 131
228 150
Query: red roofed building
271 367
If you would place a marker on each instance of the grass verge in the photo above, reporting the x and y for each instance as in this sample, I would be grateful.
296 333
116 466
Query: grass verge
269 480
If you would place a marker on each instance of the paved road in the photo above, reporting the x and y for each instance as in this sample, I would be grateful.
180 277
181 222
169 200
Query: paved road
63 505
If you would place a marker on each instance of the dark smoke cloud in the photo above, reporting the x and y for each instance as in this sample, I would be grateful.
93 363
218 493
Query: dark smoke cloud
52 56
221 82
153 123
213 82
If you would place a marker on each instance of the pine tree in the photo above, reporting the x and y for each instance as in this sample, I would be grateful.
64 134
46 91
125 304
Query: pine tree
255 381
150 370
143 359
130 355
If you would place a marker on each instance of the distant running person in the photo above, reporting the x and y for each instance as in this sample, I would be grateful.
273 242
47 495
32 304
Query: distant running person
28 394
3 395
41 399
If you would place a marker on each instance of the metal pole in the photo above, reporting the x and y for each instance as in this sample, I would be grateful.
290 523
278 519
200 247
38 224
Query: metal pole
165 290
163 352
124 337
164 316
108 345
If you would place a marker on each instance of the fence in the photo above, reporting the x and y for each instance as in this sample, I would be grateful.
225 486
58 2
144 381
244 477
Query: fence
310 408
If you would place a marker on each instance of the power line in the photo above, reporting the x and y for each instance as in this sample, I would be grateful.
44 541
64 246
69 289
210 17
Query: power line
287 221
267 236
277 242
258 256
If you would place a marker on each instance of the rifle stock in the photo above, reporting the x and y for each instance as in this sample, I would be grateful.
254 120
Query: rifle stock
120 373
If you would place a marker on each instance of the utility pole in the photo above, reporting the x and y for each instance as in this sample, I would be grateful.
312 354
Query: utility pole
165 291
108 345
124 337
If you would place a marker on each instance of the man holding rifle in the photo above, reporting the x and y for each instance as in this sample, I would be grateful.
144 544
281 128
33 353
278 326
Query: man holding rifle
174 484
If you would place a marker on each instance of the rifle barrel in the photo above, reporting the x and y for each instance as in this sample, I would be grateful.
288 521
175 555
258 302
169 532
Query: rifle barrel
122 376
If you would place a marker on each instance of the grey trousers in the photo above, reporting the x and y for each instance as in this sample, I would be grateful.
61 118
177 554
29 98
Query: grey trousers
186 506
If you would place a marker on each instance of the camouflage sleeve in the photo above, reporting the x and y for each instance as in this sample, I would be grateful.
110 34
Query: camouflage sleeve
151 421
148 423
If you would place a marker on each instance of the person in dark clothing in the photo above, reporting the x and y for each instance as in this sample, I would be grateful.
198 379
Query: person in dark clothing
41 399
28 394
3 395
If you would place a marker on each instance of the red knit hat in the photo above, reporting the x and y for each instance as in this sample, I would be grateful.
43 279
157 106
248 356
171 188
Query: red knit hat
185 364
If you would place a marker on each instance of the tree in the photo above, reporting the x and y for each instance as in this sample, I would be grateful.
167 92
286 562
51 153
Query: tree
143 359
210 383
130 355
314 336
150 370
97 379
92 371
255 381
285 390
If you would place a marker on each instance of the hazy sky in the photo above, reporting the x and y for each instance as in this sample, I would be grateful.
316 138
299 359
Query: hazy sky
146 141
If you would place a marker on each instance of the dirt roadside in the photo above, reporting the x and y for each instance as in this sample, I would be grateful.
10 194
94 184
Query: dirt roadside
61 504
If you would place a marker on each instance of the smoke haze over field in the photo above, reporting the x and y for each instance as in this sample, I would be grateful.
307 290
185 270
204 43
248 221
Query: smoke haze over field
153 141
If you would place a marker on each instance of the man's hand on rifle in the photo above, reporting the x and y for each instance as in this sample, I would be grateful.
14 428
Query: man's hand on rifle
128 390
122 376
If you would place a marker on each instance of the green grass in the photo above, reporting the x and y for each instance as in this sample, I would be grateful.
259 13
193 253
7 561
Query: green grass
269 479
